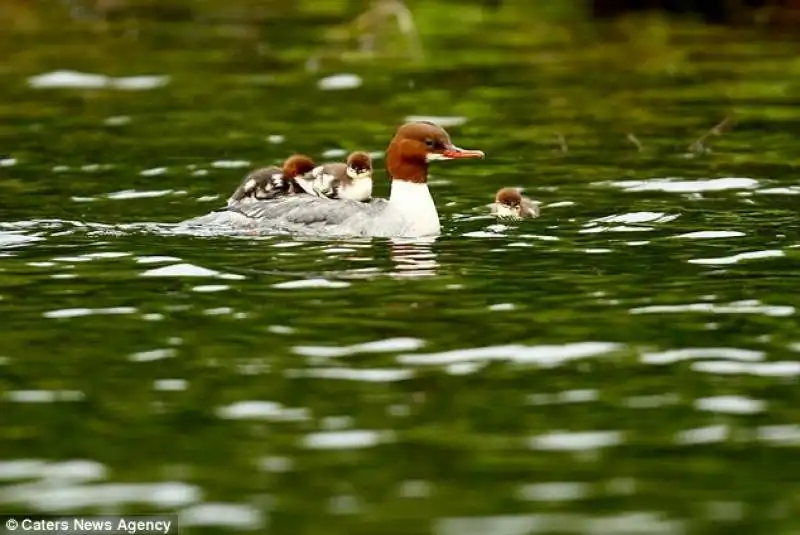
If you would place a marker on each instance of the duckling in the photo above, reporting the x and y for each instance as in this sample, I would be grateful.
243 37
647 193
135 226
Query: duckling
510 204
351 180
270 182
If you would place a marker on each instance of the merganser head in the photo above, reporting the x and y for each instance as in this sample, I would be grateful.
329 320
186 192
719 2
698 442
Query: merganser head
359 165
417 143
509 203
297 165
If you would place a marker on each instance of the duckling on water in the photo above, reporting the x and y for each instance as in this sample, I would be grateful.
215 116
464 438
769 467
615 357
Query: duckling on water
510 204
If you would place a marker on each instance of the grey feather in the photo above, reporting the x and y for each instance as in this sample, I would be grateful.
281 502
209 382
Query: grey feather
300 214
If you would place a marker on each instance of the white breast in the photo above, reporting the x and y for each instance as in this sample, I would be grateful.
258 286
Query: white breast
358 190
413 205
503 211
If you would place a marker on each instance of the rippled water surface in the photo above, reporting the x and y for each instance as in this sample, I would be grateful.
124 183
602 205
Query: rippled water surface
625 364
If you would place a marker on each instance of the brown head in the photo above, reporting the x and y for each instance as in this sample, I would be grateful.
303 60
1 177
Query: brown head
415 144
509 202
359 165
297 165
359 161
510 197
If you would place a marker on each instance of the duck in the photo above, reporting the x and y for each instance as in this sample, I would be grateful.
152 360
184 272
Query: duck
409 211
510 204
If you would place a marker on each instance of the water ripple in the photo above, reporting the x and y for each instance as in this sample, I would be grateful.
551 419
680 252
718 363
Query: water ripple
155 354
545 355
689 353
672 185
170 385
189 270
786 435
730 405
703 435
310 283
230 164
638 217
775 253
156 259
576 441
79 312
81 80
617 228
347 439
263 410
638 523
339 81
72 470
567 396
229 515
367 375
43 396
388 345
762 369
738 307
711 234
129 194
16 239
555 491
791 190
45 495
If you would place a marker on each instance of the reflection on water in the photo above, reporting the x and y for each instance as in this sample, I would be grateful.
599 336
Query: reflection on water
413 258
625 363
79 80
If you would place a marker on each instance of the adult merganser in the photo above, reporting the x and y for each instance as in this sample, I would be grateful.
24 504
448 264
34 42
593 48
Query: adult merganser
270 182
351 180
510 204
409 212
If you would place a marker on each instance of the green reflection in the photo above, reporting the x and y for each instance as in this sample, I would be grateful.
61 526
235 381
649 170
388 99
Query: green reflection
553 101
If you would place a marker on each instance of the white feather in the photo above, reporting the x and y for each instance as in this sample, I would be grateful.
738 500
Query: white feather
359 190
323 184
413 205
504 211
355 175
307 185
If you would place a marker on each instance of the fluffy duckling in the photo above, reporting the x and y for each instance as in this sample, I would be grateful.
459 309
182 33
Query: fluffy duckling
270 182
351 180
510 204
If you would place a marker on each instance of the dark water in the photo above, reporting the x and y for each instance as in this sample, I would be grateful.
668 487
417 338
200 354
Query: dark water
625 364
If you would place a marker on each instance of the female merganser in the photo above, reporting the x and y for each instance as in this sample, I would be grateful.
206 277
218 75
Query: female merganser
509 203
351 180
270 182
409 212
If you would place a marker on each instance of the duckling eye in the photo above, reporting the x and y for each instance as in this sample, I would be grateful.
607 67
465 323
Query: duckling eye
430 143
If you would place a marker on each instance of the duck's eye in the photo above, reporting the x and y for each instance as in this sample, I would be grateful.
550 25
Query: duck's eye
430 143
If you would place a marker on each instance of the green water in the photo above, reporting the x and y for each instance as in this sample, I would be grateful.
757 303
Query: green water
603 369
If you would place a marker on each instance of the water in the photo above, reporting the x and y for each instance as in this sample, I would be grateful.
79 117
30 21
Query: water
626 363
